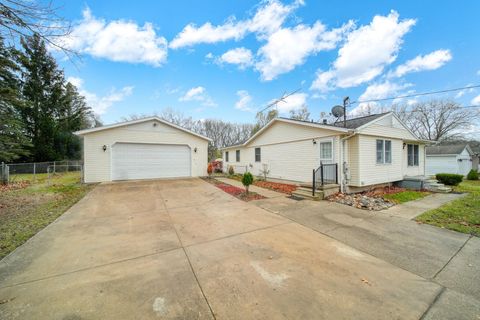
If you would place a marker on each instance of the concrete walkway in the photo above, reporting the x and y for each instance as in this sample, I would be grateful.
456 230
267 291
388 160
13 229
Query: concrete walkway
412 209
444 257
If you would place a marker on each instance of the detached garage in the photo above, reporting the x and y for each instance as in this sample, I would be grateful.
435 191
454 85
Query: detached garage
149 148
455 158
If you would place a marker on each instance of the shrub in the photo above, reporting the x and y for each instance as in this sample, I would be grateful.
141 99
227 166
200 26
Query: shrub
231 171
210 168
449 178
247 180
472 175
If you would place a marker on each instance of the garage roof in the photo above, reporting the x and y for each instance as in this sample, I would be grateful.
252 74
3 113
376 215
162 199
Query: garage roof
127 123
449 149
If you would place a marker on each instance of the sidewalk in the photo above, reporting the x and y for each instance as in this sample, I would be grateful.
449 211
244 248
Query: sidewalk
262 191
412 209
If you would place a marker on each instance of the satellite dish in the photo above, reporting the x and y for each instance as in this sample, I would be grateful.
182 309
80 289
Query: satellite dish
337 111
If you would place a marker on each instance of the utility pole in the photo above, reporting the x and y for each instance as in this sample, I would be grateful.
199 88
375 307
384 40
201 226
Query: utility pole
346 100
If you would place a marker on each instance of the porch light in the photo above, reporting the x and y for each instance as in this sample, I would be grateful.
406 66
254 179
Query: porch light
314 141
104 148
404 145
195 149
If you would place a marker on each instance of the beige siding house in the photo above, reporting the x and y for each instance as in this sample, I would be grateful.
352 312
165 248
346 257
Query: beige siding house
142 149
368 151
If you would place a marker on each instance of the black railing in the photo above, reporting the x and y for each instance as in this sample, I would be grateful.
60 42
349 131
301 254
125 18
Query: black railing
325 174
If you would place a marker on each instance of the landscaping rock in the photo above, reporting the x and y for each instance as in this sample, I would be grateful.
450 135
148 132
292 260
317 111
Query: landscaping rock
362 201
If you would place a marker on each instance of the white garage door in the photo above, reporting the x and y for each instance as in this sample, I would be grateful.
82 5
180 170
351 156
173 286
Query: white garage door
149 161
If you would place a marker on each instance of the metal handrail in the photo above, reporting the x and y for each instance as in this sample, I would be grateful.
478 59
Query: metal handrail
326 173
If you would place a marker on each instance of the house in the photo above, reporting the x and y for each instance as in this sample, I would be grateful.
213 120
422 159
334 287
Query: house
142 149
365 152
452 158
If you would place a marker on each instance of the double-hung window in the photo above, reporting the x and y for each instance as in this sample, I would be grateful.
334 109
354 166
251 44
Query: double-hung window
226 156
412 155
384 151
258 155
237 155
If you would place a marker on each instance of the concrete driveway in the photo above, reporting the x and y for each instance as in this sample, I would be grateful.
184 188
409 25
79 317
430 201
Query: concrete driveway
183 249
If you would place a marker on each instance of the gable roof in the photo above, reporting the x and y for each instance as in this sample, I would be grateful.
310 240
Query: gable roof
449 149
360 121
288 120
127 123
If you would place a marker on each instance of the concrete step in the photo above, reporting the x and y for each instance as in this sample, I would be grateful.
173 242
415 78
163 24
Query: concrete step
431 181
434 185
307 194
440 189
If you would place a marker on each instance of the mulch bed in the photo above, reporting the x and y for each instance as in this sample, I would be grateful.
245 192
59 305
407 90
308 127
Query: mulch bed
14 186
235 191
275 186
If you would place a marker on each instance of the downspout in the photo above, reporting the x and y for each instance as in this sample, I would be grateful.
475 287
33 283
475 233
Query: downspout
343 179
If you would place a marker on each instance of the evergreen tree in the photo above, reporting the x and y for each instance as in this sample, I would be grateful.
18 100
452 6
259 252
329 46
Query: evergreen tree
53 109
13 143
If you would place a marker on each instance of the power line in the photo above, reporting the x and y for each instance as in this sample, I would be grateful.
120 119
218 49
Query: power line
459 108
417 94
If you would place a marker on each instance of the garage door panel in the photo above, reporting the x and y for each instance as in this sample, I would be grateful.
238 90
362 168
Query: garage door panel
150 161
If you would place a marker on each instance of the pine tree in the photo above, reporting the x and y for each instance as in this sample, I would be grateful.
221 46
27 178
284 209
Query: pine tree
13 143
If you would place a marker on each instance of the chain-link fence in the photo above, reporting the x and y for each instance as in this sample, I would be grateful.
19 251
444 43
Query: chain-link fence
34 171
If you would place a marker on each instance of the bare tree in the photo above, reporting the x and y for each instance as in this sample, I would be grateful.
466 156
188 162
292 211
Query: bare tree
23 18
300 114
264 118
437 120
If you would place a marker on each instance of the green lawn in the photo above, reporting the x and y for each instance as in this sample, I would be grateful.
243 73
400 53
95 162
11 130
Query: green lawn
405 196
27 210
461 215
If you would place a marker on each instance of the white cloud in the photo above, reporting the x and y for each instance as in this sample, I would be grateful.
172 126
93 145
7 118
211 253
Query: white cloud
244 101
431 61
293 102
376 91
117 40
365 53
269 16
476 100
478 73
198 94
98 104
287 48
239 56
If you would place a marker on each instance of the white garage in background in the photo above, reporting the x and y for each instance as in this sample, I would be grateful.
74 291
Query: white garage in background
148 148
455 158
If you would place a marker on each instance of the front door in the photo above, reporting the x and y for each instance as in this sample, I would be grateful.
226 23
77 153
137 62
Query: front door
326 151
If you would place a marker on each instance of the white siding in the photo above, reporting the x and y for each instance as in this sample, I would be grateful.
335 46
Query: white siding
441 164
354 160
288 151
388 127
97 163
370 172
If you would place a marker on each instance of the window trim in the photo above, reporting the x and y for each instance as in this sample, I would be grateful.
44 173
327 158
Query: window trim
237 155
383 152
414 163
331 149
259 154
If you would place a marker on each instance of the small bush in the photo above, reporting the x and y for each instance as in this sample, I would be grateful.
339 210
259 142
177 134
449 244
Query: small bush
449 179
210 168
472 175
247 180
231 171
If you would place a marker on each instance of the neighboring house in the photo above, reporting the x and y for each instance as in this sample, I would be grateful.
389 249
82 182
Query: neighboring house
373 150
142 149
454 158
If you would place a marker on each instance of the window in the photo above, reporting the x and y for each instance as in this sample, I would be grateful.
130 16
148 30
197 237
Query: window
326 150
226 156
258 155
384 151
237 155
412 155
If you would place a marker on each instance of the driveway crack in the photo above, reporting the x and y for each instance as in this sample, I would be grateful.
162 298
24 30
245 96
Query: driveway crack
453 256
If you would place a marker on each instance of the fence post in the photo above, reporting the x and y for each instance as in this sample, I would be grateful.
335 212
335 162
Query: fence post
313 184
34 171
3 174
54 171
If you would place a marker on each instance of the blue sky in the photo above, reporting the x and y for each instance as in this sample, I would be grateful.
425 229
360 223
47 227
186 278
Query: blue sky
219 59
